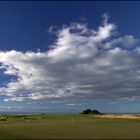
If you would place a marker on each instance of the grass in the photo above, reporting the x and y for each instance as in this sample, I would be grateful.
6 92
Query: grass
67 126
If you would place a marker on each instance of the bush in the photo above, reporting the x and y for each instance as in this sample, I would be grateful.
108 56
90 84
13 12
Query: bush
3 119
89 111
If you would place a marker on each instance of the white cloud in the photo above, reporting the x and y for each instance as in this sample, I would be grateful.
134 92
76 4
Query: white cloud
127 42
83 64
71 104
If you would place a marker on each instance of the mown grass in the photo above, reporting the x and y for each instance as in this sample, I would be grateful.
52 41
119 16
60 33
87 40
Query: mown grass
67 126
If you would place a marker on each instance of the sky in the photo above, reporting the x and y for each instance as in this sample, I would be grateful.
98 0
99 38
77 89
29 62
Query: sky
64 57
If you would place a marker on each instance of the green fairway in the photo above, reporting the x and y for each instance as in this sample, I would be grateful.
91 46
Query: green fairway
67 127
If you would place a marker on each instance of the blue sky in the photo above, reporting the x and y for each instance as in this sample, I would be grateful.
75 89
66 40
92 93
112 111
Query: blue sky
68 56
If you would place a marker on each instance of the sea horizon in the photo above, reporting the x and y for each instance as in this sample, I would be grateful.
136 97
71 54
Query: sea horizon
48 112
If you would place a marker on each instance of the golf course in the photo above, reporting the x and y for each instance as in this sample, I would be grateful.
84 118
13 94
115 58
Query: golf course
68 126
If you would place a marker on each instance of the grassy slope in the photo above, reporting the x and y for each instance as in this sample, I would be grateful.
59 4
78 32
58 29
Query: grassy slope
68 127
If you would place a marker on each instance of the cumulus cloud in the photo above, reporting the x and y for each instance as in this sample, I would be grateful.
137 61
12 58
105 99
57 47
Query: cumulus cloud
82 64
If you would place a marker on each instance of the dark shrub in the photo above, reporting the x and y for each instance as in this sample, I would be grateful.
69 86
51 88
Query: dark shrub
89 111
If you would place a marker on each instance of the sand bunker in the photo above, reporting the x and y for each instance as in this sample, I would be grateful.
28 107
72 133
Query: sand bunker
119 116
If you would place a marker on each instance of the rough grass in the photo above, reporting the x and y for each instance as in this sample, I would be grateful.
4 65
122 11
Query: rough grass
67 126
